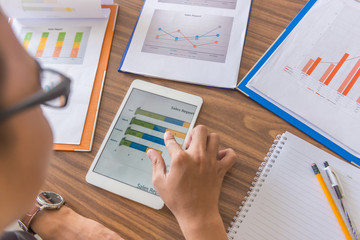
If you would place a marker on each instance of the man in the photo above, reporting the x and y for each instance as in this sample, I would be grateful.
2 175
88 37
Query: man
190 190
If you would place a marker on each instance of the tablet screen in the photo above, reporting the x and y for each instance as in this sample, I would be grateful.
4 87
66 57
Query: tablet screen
141 126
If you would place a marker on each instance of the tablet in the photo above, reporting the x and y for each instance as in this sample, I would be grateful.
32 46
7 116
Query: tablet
148 110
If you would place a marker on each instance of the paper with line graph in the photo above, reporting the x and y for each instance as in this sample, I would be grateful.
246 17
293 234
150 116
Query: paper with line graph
183 41
188 36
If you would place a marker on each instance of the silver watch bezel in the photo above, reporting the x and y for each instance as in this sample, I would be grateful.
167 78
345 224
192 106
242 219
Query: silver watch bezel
45 205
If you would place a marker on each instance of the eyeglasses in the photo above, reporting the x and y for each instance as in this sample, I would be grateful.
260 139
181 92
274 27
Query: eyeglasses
54 92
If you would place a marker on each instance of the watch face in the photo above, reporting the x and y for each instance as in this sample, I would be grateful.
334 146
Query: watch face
50 200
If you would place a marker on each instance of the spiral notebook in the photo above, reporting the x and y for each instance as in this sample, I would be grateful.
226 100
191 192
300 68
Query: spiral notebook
286 200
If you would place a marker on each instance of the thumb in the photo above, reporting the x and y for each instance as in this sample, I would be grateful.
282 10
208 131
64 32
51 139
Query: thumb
159 167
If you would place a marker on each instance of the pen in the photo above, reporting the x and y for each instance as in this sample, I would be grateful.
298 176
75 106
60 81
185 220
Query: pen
331 202
336 185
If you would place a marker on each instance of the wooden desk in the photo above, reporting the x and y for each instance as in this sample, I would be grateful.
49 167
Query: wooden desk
242 124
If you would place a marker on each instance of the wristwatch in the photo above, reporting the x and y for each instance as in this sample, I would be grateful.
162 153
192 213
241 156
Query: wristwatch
45 200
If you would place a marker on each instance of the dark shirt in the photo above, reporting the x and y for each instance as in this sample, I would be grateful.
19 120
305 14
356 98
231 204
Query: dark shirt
18 235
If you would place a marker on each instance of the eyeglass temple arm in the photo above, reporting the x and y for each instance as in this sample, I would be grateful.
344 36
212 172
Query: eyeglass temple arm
62 89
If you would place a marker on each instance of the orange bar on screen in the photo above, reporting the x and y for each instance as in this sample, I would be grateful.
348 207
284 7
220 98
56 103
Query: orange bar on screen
351 84
347 79
308 65
312 68
336 69
327 72
358 100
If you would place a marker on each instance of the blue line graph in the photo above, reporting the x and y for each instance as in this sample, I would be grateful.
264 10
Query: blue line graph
185 35
165 35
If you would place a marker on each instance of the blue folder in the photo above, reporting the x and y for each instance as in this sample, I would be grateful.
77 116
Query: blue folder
278 111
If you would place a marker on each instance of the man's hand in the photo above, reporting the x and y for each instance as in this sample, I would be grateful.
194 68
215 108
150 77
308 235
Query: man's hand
191 189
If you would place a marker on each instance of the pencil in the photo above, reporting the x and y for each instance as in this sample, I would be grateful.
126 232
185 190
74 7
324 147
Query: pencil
331 202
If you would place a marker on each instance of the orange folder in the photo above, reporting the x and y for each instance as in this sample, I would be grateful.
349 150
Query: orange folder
91 117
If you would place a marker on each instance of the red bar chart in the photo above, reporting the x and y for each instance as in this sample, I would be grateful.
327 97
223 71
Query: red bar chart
336 69
351 84
333 69
313 66
327 72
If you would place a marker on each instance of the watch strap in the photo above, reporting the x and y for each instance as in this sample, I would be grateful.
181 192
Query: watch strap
25 222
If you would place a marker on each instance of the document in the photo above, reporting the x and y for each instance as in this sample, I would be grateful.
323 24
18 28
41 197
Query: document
57 34
194 41
314 74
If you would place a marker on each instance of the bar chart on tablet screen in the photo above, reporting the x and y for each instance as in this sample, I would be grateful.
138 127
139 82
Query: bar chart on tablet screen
229 4
141 127
146 130
200 37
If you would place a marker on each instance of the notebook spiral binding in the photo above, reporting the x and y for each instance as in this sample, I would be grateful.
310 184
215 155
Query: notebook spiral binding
259 179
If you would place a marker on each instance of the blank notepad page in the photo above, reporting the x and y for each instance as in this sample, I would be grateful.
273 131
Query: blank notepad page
287 201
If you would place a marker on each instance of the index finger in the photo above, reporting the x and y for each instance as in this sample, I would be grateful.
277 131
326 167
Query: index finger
171 144
198 138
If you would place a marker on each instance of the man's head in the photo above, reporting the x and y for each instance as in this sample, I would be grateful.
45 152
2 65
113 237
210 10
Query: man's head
25 138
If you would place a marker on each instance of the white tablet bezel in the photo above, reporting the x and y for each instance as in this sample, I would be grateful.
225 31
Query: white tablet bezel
123 189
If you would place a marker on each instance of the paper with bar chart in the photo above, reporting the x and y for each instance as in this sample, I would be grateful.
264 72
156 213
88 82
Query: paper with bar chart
140 127
188 36
22 9
315 72
229 4
179 41
65 45
72 47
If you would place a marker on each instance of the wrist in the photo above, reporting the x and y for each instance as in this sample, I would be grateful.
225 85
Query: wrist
207 226
49 223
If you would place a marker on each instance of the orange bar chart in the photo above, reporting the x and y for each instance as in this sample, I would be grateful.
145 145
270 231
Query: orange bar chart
352 83
358 100
347 79
42 44
76 45
307 66
27 39
313 66
59 44
336 69
327 72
